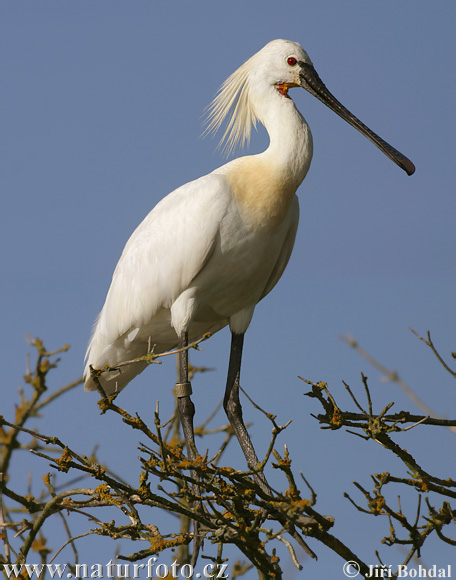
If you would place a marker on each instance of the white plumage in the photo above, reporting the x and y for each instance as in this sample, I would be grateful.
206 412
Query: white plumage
213 248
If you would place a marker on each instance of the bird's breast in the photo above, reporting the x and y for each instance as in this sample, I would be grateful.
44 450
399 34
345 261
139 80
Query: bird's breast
241 264
261 191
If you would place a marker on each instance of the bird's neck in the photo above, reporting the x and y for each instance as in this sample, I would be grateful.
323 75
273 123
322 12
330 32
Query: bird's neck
263 185
290 148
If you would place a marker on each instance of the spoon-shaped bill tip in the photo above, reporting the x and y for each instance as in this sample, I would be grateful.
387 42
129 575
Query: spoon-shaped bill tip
408 166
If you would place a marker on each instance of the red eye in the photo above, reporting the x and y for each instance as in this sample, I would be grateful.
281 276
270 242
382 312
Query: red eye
291 60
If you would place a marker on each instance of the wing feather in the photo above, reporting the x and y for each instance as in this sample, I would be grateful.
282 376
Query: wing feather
161 258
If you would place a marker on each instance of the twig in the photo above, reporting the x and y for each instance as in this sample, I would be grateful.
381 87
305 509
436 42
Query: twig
291 551
366 388
354 398
150 357
392 376
58 393
434 350
47 511
416 424
6 545
70 540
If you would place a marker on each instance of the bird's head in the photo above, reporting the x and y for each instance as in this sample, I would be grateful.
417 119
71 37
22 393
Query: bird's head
279 65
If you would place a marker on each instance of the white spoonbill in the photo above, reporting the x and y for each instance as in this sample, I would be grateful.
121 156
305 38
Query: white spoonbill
212 249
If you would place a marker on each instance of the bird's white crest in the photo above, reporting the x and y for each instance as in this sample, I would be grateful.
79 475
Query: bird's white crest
233 97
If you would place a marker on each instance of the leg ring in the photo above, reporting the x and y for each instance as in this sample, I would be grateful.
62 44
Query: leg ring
183 389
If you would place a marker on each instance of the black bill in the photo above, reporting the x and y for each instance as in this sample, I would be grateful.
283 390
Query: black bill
312 83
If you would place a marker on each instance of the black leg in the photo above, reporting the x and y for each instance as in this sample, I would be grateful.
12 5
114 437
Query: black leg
186 412
184 403
233 408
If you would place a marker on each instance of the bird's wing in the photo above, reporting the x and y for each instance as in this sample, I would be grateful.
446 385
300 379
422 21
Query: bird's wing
161 258
287 247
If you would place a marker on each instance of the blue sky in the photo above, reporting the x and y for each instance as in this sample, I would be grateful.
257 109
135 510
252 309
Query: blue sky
102 109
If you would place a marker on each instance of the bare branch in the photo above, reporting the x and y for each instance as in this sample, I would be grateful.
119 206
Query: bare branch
389 375
430 344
